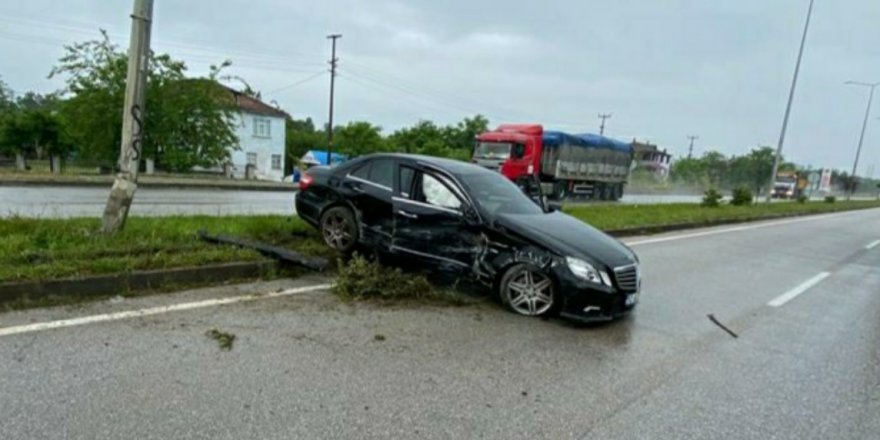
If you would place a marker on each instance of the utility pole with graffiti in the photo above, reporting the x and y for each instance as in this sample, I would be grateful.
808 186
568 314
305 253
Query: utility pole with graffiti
122 193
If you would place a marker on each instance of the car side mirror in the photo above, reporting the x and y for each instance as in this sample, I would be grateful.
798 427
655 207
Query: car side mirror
518 151
552 207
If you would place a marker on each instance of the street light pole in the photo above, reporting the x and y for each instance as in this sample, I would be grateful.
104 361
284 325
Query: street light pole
852 176
797 70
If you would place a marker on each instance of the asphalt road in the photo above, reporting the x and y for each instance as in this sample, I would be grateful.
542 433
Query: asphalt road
54 202
309 366
62 202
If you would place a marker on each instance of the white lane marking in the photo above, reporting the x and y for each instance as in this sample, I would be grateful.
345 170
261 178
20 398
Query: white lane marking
794 293
40 326
738 228
872 245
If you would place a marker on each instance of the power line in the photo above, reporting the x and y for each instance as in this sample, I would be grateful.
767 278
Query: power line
298 83
90 29
444 97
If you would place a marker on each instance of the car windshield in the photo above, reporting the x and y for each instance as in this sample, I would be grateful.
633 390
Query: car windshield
495 194
492 150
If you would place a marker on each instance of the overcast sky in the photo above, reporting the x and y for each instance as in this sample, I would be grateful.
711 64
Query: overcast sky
665 69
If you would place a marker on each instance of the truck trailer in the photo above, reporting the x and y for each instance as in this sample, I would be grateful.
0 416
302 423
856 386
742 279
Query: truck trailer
566 165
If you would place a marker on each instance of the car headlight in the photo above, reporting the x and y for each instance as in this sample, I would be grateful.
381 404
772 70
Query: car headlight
587 272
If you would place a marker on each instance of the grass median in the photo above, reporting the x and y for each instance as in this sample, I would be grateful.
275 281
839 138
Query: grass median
45 249
49 249
621 218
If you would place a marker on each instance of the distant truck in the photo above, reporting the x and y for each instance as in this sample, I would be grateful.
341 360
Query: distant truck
789 185
565 165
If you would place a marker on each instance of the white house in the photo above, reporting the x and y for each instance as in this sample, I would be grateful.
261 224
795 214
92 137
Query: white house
261 138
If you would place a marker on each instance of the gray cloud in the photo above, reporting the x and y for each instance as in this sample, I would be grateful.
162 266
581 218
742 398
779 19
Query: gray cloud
665 69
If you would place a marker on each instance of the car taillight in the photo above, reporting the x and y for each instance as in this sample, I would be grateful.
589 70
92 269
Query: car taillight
305 181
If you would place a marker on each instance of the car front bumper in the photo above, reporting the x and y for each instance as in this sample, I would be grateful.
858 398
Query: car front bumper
587 302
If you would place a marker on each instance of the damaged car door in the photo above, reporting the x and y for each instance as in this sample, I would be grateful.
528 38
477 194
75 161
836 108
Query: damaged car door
369 189
433 220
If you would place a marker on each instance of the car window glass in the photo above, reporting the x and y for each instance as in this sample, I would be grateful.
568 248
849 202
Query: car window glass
363 172
406 179
436 193
382 172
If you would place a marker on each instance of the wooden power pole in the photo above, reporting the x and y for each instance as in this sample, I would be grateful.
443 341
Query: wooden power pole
122 193
334 62
603 117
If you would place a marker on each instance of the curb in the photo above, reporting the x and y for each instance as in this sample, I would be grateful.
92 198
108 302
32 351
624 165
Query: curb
142 280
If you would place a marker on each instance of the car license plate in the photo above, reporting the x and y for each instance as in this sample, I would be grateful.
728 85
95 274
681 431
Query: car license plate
632 299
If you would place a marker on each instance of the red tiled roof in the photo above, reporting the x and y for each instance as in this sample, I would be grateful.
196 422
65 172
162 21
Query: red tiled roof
253 105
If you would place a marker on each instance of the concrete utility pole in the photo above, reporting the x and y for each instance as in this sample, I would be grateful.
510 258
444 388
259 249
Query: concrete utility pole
122 193
797 69
852 176
691 148
333 63
603 117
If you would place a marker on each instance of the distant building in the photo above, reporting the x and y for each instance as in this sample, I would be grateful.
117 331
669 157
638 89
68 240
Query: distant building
261 139
649 157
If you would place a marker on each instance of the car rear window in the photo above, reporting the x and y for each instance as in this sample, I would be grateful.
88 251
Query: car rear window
382 172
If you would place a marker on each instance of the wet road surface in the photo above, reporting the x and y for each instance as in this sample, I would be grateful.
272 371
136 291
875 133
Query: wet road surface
803 296
53 202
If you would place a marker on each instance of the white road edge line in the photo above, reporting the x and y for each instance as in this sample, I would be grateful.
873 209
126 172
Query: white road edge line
737 228
40 326
794 293
872 245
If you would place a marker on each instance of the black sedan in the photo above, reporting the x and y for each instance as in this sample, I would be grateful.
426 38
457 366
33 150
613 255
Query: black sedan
461 217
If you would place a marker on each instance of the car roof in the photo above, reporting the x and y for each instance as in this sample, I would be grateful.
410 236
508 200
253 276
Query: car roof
449 165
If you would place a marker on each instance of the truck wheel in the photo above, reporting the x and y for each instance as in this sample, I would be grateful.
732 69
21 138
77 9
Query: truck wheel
617 192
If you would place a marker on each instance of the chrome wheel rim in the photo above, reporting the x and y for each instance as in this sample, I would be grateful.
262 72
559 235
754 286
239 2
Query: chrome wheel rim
337 231
530 293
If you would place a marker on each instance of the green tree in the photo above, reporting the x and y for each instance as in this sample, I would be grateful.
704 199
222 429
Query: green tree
188 122
754 169
690 171
358 138
7 98
462 135
301 136
31 126
414 139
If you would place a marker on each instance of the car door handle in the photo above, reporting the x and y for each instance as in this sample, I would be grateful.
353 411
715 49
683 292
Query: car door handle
357 188
407 214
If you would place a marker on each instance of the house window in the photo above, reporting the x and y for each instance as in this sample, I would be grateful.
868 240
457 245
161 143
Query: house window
252 159
262 128
276 161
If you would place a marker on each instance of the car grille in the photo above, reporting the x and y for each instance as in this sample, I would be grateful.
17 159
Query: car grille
627 278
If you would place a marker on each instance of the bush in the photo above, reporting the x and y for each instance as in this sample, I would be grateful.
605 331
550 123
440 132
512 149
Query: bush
830 199
362 279
711 199
742 196
802 199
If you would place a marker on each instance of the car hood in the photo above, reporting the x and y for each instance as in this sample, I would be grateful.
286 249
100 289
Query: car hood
563 234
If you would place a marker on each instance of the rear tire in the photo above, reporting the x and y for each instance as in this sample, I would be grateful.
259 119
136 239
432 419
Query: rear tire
526 290
340 229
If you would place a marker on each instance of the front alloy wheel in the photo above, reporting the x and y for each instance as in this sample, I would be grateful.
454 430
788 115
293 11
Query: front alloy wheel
527 291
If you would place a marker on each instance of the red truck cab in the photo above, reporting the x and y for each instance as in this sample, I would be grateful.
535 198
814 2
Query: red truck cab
512 149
